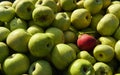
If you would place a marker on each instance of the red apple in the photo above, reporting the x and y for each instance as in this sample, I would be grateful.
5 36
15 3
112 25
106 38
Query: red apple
86 42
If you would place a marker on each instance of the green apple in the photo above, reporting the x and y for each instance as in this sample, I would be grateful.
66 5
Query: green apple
18 40
4 32
24 9
33 29
62 21
108 40
80 4
102 68
16 64
94 6
56 34
5 3
4 51
68 5
117 50
103 53
74 46
6 13
114 9
50 3
108 24
15 3
40 67
80 18
86 55
70 36
95 19
106 3
43 16
81 67
62 55
17 23
116 34
40 45
115 2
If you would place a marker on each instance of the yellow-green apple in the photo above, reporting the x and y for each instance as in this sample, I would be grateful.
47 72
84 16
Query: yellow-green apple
86 55
94 6
117 50
102 68
108 40
6 13
24 9
18 40
56 34
4 32
40 45
80 4
16 23
103 53
115 2
80 67
86 42
62 21
5 3
62 55
33 29
16 64
114 9
15 3
4 51
106 4
67 5
116 34
108 24
95 19
80 18
70 36
74 46
43 16
40 67
50 3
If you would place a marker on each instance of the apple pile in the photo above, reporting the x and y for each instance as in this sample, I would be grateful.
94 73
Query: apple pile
60 37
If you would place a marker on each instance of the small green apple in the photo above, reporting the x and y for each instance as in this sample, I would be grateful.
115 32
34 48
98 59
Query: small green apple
40 67
40 45
5 3
62 21
81 67
94 6
68 5
116 34
86 55
102 68
80 4
80 18
74 46
4 32
56 34
43 16
18 40
33 29
108 24
17 23
103 53
16 64
117 50
62 55
6 13
4 51
24 9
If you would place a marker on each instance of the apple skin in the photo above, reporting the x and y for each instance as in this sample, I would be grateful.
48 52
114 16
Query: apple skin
16 64
86 42
4 51
62 55
108 24
117 50
6 13
40 45
80 18
4 32
116 35
5 3
18 43
24 9
106 3
102 68
80 67
103 53
40 67
43 16
94 6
